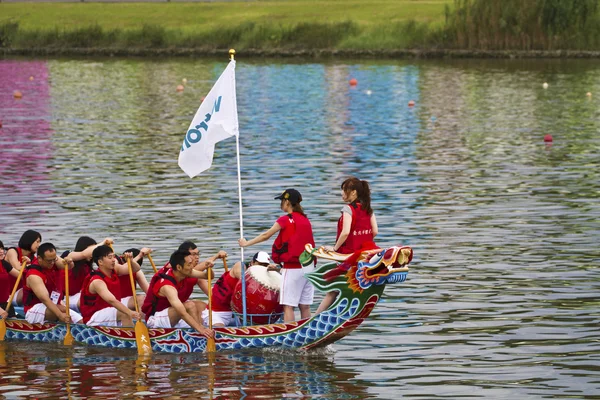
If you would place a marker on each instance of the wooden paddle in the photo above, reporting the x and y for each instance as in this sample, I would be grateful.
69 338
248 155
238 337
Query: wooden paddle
68 341
10 299
152 263
211 346
142 336
225 265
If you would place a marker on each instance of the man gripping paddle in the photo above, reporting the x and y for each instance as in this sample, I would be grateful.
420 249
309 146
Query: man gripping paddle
166 304
42 292
101 293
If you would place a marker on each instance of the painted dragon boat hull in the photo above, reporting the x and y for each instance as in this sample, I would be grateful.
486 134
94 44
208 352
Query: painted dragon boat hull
349 310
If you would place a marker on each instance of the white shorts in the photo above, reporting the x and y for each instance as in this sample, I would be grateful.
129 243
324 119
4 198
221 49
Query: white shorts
161 320
15 303
74 301
125 300
107 317
37 315
218 317
295 288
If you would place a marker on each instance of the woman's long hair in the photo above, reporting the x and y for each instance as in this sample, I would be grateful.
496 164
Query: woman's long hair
363 192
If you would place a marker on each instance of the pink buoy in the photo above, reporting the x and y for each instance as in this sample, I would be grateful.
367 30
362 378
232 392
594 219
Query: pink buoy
548 138
411 103
353 82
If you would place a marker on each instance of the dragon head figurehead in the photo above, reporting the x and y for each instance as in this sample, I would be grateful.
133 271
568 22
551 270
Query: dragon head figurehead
365 270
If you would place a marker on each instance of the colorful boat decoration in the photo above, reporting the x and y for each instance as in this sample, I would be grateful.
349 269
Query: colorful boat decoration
360 280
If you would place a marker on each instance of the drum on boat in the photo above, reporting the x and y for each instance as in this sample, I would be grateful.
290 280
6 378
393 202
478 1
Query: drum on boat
262 295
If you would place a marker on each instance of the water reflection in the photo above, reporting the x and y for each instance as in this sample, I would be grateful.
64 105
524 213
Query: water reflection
26 137
87 373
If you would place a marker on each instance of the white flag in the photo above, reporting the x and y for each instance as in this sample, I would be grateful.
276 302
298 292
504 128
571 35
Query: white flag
215 120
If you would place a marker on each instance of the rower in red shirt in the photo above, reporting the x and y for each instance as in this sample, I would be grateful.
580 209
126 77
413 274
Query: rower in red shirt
25 251
100 300
7 274
42 291
166 304
225 286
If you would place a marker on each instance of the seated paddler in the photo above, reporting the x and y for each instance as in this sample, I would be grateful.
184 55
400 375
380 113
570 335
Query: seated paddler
82 258
100 300
167 303
224 288
42 291
139 279
7 273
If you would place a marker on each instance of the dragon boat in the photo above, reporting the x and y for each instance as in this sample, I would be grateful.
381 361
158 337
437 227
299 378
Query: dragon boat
359 279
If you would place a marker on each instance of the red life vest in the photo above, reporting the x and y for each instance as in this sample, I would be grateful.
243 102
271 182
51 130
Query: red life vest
50 278
5 286
154 302
12 279
295 233
92 302
223 291
361 230
78 275
126 285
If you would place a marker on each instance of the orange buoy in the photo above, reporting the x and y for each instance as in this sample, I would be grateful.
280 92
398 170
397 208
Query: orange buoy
548 138
589 94
411 103
353 82
180 88
17 94
31 78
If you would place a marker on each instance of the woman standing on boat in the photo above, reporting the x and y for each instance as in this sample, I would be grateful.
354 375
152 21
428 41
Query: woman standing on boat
295 231
357 226
28 245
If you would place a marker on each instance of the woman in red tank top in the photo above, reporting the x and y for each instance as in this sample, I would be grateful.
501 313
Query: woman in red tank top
6 273
357 226
28 245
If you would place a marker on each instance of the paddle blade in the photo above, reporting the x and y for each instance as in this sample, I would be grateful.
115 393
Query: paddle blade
142 339
2 329
68 341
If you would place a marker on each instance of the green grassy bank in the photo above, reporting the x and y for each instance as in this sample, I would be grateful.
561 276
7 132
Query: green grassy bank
376 27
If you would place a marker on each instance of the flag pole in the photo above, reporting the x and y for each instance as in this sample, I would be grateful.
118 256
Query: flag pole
237 146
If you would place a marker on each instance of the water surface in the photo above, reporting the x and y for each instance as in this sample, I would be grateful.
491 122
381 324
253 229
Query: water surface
502 298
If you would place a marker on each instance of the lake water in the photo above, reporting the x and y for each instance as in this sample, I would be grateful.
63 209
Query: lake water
503 296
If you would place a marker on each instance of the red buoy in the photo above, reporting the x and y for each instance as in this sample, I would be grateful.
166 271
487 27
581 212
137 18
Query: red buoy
548 138
0 123
353 82
411 103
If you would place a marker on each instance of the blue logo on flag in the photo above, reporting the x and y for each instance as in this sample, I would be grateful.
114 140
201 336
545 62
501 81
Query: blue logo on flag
194 135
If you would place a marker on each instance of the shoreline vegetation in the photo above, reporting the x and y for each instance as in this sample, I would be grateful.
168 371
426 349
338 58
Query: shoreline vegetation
307 28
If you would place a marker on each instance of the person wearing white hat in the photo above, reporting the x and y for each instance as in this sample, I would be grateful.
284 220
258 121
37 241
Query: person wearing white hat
224 287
